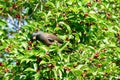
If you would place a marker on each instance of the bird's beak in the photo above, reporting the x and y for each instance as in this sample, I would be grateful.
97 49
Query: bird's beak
34 37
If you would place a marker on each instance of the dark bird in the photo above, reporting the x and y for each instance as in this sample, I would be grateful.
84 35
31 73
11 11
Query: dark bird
45 38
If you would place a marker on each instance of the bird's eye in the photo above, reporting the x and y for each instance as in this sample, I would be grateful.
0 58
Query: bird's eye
34 37
51 39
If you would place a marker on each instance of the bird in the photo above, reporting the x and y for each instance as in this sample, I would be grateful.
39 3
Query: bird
46 38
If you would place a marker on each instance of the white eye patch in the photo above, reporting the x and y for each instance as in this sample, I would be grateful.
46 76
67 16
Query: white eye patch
34 37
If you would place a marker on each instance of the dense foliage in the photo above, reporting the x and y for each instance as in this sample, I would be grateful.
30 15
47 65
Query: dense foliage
90 30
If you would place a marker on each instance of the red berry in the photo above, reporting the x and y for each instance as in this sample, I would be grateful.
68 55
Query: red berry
108 15
99 1
118 78
1 64
29 48
90 59
18 16
65 69
75 65
10 9
17 63
99 65
86 14
29 42
81 22
1 8
38 59
68 69
24 17
67 39
46 7
89 4
102 58
104 50
95 47
73 31
106 74
7 50
47 53
9 46
80 51
36 29
51 78
105 29
64 14
6 70
14 6
96 55
38 69
51 66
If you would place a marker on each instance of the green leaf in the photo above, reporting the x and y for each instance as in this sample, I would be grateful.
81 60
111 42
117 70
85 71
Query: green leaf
67 26
43 62
2 23
30 70
37 76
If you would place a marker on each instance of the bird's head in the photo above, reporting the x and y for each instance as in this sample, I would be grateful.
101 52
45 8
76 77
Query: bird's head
34 36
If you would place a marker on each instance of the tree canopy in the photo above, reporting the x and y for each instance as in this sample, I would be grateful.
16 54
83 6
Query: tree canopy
90 30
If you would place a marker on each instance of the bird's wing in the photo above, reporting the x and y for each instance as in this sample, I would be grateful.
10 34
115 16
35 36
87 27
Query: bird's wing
52 37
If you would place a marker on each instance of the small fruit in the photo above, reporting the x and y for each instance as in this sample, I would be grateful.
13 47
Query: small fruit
108 15
47 53
24 17
38 59
95 47
46 6
1 64
29 48
37 30
51 66
106 29
86 14
99 1
18 16
81 22
84 73
14 6
74 65
99 65
90 59
64 14
7 49
102 58
104 50
67 69
38 69
1 8
73 31
96 55
67 39
6 70
89 4
17 63
10 9
118 78
29 42
9 46
51 78
106 74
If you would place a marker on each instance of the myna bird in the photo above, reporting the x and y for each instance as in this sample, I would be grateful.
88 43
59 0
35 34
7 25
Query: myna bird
45 38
